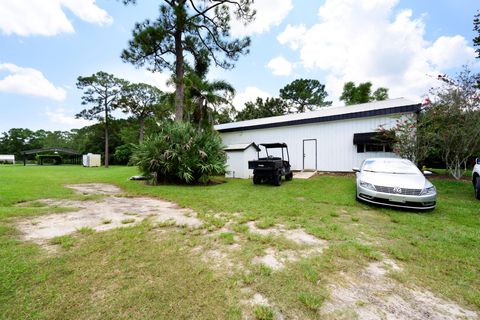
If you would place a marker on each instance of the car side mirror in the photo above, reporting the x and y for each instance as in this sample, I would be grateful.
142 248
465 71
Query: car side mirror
477 161
427 173
356 169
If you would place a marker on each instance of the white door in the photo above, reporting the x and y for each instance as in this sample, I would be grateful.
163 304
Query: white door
310 154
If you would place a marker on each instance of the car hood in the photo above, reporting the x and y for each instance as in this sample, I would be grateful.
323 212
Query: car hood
409 181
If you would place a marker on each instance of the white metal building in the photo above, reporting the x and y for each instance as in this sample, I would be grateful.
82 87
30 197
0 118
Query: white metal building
330 139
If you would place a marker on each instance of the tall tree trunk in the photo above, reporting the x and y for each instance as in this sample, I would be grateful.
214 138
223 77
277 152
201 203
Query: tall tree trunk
200 113
142 129
179 73
106 135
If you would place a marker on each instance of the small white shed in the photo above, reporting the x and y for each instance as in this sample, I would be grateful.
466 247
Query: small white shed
238 156
4 158
91 160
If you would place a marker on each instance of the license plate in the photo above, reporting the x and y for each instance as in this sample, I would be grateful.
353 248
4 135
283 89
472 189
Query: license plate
397 199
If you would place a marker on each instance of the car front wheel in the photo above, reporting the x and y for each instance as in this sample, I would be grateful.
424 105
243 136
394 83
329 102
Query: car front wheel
256 179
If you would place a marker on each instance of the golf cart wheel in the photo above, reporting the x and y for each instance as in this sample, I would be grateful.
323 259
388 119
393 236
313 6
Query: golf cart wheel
289 176
277 180
256 179
477 188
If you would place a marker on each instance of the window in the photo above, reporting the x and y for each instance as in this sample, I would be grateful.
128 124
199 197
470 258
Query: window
370 147
374 148
370 142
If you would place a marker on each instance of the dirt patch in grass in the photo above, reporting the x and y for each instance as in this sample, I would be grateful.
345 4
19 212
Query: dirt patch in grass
371 294
275 258
94 188
93 214
219 259
259 307
299 236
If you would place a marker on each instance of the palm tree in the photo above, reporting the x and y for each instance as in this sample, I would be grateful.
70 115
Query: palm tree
206 97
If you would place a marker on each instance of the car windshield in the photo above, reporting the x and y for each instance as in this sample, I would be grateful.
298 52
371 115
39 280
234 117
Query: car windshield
390 166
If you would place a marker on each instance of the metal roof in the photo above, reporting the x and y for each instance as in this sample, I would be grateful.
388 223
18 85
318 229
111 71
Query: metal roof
56 150
392 106
241 147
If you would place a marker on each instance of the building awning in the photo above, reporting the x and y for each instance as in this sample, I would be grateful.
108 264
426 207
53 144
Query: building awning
241 147
366 138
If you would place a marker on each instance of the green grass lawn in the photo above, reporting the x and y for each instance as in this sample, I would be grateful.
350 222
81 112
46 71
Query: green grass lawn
149 271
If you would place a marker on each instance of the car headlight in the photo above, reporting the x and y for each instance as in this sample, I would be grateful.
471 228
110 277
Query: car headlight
367 185
428 191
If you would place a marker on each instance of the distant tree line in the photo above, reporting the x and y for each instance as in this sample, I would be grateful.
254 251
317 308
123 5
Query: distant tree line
306 95
123 135
208 102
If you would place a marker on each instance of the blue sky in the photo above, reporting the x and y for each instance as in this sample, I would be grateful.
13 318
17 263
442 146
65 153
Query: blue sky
46 44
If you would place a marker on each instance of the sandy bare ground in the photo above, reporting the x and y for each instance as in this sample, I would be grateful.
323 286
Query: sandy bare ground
103 214
277 259
372 295
298 236
367 295
95 188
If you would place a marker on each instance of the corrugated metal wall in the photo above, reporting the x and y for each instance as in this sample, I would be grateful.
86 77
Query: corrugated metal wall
335 148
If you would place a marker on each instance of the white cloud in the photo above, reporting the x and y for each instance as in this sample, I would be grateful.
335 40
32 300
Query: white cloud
59 116
446 52
88 11
269 13
249 94
47 17
292 35
280 66
364 40
29 81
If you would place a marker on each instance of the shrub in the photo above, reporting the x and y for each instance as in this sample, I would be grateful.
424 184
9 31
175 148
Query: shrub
123 153
181 153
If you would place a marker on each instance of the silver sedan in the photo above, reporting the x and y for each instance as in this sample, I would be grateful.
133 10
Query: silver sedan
395 183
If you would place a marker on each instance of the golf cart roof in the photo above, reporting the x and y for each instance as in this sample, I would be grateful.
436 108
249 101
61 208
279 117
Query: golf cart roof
274 145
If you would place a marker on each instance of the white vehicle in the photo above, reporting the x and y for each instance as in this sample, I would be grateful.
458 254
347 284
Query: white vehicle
395 183
476 178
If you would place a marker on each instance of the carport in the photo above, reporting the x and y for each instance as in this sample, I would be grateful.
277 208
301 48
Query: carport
72 156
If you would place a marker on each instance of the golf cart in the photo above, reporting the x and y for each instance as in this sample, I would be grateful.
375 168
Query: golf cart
271 168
